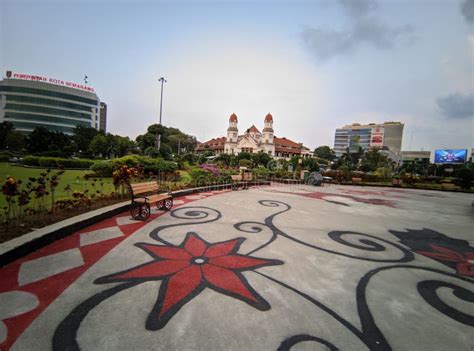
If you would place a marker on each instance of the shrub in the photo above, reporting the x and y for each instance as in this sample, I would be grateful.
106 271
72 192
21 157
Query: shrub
5 156
261 172
48 162
74 163
189 157
159 166
245 162
200 177
466 176
55 162
211 168
130 161
103 168
31 160
155 166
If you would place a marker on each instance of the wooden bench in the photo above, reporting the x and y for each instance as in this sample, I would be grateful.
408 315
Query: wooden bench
140 206
236 179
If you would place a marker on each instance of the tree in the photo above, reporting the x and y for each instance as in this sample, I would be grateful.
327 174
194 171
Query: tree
243 156
152 152
172 137
46 142
310 164
325 152
374 159
124 145
82 138
165 152
261 158
5 129
98 146
349 160
15 142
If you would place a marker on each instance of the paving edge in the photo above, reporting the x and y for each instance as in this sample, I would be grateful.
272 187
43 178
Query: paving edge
19 247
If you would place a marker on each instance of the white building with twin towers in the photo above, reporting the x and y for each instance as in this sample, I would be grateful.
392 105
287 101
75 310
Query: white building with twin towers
254 141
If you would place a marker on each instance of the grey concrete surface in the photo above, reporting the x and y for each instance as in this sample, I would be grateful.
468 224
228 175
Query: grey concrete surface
316 296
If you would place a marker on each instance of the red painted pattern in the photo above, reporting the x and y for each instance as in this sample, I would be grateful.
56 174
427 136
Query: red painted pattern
188 269
463 261
48 289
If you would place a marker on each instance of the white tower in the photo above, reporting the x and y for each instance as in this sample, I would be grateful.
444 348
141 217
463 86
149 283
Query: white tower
268 135
232 135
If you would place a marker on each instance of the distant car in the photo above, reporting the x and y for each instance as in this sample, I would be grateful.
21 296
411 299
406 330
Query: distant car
315 178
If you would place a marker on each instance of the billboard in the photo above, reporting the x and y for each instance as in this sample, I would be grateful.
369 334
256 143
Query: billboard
450 156
376 138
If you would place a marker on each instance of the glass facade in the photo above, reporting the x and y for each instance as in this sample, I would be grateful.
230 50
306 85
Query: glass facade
47 102
31 126
12 116
47 110
13 89
27 105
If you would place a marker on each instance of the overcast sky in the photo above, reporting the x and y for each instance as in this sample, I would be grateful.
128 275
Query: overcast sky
315 65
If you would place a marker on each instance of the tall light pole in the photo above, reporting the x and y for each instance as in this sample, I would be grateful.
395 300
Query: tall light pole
158 138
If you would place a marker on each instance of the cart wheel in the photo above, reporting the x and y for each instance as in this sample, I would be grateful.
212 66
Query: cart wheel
145 211
168 204
160 205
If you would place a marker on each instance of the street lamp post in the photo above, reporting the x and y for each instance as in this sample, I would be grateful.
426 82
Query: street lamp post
158 138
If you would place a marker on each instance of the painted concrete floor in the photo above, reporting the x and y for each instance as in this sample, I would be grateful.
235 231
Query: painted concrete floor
338 267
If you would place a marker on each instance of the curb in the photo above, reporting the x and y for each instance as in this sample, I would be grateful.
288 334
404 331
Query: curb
19 247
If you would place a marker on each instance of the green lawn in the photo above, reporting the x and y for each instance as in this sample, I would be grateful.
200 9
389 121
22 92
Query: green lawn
72 177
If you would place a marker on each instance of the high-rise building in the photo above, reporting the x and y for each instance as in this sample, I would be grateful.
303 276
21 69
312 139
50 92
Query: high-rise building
29 101
103 117
387 136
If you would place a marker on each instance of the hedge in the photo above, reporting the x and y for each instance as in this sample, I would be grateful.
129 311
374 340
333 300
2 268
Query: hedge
155 166
56 162
103 168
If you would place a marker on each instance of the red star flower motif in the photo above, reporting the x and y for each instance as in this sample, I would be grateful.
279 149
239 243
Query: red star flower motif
188 269
463 261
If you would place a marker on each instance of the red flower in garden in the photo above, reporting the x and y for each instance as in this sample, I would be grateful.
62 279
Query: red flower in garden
463 261
188 269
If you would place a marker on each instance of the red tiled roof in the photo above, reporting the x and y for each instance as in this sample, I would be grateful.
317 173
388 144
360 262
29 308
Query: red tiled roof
285 142
214 143
253 129
268 117
233 118
287 150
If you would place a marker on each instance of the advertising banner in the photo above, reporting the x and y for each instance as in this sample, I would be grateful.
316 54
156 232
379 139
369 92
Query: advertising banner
450 156
376 138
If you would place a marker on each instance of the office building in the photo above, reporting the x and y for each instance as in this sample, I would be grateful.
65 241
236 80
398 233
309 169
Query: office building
29 101
387 136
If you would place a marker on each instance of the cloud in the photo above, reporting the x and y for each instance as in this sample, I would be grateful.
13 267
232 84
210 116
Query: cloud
457 105
364 29
358 8
467 9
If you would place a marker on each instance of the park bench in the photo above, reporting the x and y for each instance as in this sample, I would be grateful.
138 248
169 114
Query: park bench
356 180
148 193
244 175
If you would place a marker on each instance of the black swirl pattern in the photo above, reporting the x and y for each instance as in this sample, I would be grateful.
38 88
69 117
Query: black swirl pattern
368 333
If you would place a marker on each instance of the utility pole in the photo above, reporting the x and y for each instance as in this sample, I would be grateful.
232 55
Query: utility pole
158 137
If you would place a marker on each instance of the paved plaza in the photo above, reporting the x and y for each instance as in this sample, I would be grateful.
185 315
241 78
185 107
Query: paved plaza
277 267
